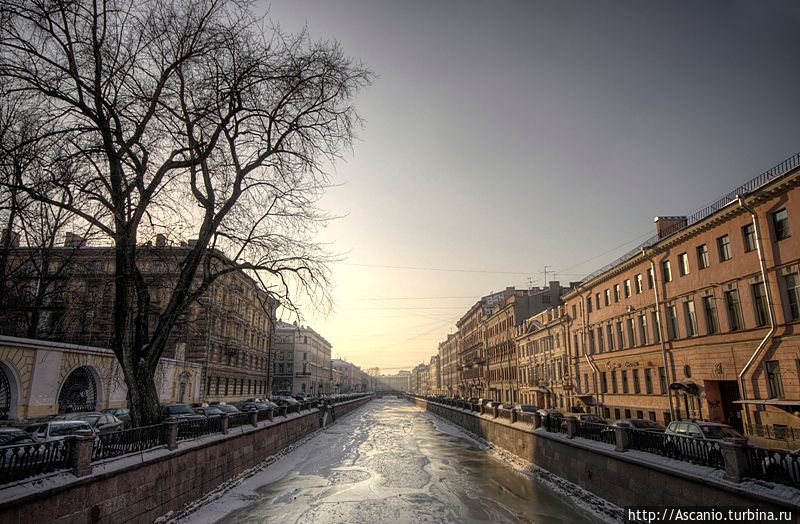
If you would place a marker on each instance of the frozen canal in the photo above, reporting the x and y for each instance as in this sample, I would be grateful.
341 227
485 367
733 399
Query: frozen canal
388 462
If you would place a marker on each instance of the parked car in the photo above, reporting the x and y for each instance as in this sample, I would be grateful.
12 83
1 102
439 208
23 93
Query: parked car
589 417
14 437
526 408
100 422
284 401
697 441
179 411
209 411
54 430
641 424
552 413
124 414
703 430
257 406
226 408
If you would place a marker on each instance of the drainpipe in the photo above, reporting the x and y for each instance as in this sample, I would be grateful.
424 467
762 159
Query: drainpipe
770 311
660 329
586 355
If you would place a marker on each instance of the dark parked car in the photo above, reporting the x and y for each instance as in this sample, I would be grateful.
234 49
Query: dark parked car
285 401
209 411
227 408
642 424
179 411
100 422
123 414
14 437
526 408
257 406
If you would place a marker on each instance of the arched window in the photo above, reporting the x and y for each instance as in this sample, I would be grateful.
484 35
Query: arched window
5 395
79 392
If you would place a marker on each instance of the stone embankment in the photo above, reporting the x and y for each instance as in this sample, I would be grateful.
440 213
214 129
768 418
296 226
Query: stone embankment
141 488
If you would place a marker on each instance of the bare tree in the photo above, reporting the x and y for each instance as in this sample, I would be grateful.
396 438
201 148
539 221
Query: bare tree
188 117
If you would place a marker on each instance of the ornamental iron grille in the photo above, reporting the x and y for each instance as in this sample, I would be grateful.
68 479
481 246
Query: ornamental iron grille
79 392
5 395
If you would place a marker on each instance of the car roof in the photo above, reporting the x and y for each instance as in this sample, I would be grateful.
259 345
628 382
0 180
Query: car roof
10 430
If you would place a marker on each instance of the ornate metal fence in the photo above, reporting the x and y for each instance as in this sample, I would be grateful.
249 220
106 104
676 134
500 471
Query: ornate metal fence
28 460
649 441
554 424
238 419
190 429
773 465
596 431
118 443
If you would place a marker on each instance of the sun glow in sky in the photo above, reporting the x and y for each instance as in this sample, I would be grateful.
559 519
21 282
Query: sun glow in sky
503 139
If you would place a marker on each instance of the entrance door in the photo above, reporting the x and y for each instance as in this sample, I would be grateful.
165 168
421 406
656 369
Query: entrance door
729 391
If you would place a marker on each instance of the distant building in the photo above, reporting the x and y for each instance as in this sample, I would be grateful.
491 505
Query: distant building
302 361
449 365
398 382
226 331
352 378
545 363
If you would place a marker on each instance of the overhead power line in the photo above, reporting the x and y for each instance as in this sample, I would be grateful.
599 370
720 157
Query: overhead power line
449 270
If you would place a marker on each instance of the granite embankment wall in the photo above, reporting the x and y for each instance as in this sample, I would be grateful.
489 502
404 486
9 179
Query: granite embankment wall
625 479
166 480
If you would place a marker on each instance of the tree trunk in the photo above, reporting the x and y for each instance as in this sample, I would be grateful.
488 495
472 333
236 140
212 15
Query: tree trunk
143 397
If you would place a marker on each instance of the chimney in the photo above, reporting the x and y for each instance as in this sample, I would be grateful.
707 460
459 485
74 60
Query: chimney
665 226
73 240
161 240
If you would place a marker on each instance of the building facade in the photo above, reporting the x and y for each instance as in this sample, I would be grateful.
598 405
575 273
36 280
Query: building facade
449 363
42 378
302 361
545 361
702 321
68 298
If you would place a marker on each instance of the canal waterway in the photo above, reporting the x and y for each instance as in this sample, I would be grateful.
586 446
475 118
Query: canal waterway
390 462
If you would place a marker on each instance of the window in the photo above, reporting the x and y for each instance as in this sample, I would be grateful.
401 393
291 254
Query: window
683 264
591 342
702 256
597 300
651 279
607 296
724 248
672 323
656 326
774 383
749 237
792 284
780 224
588 304
627 413
600 339
613 381
710 310
603 382
648 381
760 304
636 387
624 380
631 334
639 283
691 318
643 329
734 308
662 380
610 336
627 288
616 292
620 336
666 271
617 414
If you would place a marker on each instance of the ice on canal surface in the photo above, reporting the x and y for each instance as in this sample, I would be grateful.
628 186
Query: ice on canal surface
389 462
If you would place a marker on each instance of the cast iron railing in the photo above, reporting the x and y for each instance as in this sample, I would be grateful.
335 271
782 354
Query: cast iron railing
28 460
238 419
596 431
107 445
190 429
773 465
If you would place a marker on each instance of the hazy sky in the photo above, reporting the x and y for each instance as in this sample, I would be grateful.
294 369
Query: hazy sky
503 137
